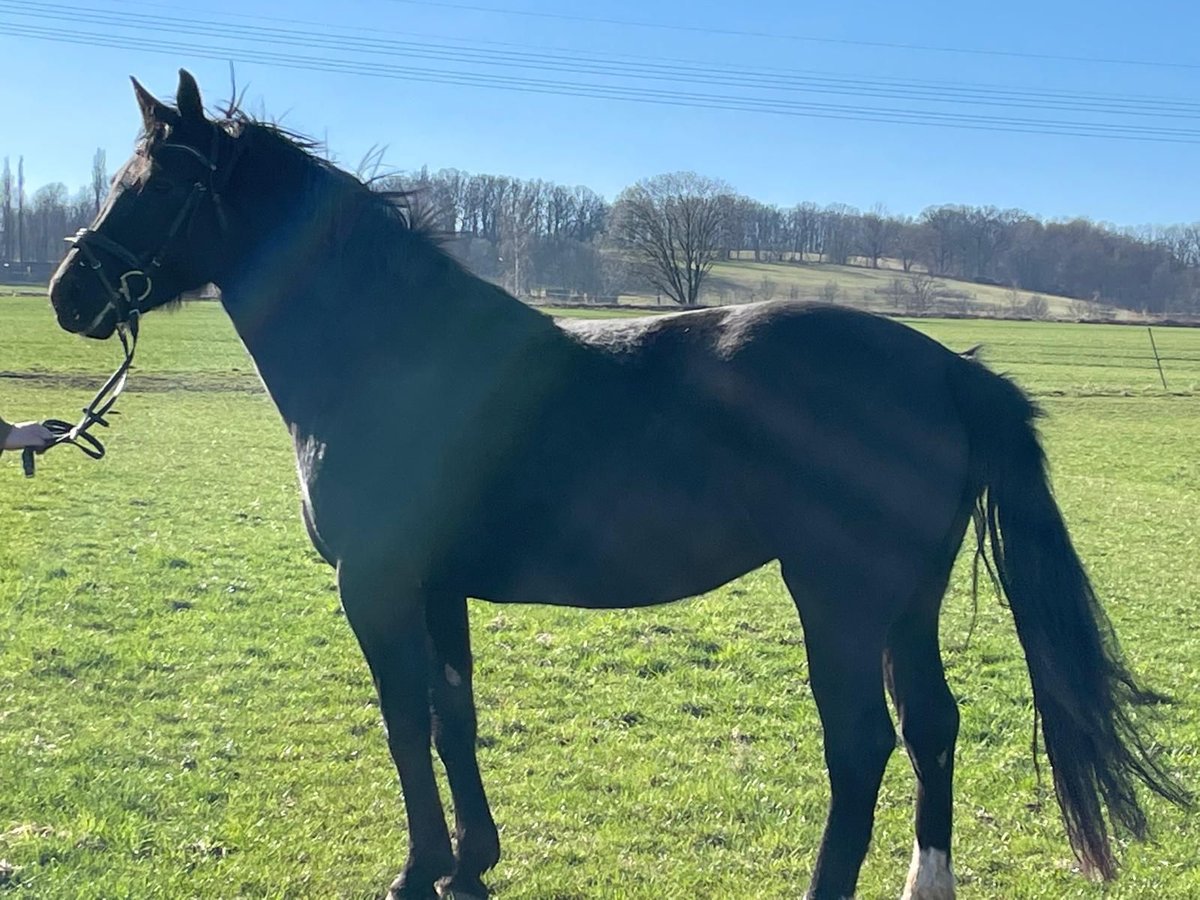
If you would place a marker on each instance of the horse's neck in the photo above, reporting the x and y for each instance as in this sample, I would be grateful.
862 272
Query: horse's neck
315 332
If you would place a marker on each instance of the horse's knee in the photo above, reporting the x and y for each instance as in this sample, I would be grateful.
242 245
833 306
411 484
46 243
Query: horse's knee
860 752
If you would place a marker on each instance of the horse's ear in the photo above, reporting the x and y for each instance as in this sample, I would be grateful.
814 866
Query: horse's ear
154 111
187 98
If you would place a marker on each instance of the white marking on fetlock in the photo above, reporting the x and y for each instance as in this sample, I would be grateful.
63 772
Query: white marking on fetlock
452 676
929 876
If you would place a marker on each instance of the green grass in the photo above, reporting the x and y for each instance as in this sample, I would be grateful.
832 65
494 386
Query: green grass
1052 358
22 290
185 712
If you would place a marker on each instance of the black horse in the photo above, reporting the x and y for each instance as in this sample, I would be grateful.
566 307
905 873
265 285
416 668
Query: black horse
454 443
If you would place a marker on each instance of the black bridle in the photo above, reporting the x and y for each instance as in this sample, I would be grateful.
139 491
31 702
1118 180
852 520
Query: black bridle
126 294
136 283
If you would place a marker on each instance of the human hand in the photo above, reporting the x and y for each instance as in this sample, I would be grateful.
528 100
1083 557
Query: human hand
28 434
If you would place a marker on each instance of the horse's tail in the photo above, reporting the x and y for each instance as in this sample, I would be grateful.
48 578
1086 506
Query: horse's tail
1082 690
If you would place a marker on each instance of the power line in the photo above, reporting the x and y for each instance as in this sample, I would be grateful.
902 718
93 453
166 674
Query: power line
574 53
734 32
728 77
527 85
92 38
690 71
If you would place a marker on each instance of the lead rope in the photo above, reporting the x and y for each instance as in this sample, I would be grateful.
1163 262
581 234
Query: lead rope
96 412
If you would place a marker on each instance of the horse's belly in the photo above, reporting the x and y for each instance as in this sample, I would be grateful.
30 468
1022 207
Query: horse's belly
593 583
638 549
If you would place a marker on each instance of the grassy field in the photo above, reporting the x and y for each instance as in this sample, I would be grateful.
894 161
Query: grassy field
185 712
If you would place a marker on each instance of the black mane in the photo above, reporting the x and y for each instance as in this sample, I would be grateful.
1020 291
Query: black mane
394 206
369 239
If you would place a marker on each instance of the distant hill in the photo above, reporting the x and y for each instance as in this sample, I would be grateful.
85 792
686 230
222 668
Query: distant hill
886 289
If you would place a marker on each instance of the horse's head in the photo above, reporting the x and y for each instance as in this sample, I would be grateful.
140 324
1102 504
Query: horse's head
162 229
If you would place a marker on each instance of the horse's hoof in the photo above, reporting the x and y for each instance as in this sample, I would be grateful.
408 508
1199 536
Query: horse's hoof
930 876
399 891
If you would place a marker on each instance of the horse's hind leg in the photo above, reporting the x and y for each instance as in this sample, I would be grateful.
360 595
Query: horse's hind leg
845 645
929 726
454 732
928 721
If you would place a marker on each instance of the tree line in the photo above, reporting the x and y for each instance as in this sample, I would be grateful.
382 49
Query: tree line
34 223
663 235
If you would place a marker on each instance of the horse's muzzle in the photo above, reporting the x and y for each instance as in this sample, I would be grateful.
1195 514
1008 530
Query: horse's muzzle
68 297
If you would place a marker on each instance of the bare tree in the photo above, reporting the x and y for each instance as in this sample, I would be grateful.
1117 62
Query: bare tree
924 291
520 220
944 228
1036 307
877 235
909 242
1191 245
6 212
591 214
803 222
839 224
764 230
671 226
1015 303
99 177
896 292
49 218
733 227
21 209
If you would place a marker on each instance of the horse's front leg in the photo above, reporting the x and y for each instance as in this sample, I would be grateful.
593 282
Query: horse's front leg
387 614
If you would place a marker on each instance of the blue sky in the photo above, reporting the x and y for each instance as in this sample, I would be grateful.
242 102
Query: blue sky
70 98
